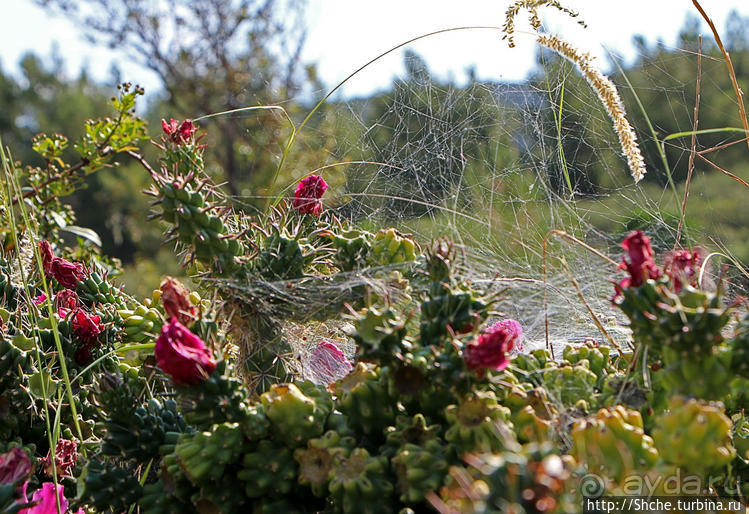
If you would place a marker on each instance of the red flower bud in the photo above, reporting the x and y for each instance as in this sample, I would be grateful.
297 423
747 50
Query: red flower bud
66 301
182 355
186 130
87 329
640 266
176 301
328 363
47 255
308 193
491 349
67 273
15 466
66 455
682 267
179 132
169 127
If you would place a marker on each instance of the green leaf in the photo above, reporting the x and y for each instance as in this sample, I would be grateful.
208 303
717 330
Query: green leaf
39 379
58 219
85 233
22 342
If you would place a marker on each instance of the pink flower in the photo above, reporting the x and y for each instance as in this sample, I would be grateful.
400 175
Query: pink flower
517 332
66 301
328 363
40 299
47 503
182 355
491 349
179 132
47 255
176 301
186 130
307 195
682 266
169 127
67 273
66 455
14 466
87 329
641 265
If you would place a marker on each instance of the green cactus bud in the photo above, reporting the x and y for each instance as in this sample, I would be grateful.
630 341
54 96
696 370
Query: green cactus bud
598 357
704 376
569 384
613 443
479 423
204 455
409 431
294 417
391 247
379 333
156 500
360 483
281 257
352 248
316 460
139 433
108 486
269 469
364 399
219 399
420 469
691 320
694 435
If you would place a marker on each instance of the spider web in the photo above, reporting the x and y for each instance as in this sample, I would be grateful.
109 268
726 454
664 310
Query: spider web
513 171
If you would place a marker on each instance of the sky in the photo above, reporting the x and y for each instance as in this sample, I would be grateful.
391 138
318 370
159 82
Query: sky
344 34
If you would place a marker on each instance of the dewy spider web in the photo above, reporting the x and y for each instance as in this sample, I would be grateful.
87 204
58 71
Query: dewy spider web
496 167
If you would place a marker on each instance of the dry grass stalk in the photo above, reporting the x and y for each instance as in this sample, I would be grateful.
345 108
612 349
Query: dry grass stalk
729 64
532 6
609 96
690 169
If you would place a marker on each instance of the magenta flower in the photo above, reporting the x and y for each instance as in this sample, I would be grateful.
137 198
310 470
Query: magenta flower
47 255
66 301
328 363
67 273
308 193
66 455
47 502
182 355
169 127
179 132
682 267
176 301
14 466
517 332
40 299
490 350
640 266
87 328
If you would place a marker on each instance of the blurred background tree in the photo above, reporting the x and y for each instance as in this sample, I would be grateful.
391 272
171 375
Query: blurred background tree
211 56
444 145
